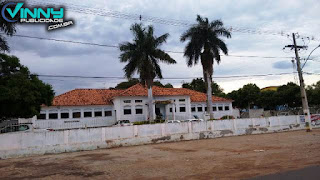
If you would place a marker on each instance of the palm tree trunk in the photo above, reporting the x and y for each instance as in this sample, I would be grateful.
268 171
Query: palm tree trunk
209 95
150 101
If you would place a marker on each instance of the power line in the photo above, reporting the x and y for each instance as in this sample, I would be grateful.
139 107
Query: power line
165 21
114 46
65 41
166 78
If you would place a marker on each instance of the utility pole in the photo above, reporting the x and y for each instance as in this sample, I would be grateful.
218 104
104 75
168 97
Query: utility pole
305 105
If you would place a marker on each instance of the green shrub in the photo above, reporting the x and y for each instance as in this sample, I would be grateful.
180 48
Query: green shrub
141 122
156 121
227 117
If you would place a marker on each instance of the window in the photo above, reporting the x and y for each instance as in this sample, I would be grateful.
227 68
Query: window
199 108
107 113
76 115
182 109
127 101
97 113
226 108
138 101
41 116
65 115
220 108
127 110
182 100
53 115
174 111
139 110
205 109
87 114
193 109
214 108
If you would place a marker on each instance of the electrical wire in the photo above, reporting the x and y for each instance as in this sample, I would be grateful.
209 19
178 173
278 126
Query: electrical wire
165 78
114 46
165 21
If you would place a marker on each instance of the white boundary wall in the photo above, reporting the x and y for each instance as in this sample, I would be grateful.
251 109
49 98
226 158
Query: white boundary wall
18 144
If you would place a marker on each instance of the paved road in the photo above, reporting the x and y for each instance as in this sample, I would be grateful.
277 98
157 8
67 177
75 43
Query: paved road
309 173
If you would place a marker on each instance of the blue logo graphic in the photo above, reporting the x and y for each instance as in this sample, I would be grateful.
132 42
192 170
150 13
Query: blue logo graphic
34 15
12 14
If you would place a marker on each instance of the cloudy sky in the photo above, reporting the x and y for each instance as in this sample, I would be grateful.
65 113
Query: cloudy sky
269 23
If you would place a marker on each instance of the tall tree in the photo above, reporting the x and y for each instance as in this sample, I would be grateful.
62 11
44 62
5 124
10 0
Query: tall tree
127 84
22 93
289 95
268 100
314 94
246 96
199 85
7 28
134 81
204 42
143 56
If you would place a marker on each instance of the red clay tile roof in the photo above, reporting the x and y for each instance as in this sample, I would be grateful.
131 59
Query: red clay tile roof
81 97
140 90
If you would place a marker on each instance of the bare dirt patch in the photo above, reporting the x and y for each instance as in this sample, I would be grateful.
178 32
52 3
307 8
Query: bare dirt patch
238 157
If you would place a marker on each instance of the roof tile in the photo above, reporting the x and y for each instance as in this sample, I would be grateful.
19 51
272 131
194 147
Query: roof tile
80 97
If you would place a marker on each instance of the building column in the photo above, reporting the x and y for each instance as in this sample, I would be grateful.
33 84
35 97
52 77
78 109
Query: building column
59 113
82 113
47 114
70 114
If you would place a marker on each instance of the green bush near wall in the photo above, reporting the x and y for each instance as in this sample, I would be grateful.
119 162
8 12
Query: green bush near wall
148 122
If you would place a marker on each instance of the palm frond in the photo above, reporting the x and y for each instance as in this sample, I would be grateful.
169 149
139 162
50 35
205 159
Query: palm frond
161 39
143 54
223 32
164 57
203 39
3 44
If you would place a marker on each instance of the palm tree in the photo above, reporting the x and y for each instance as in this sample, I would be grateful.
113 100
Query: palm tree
7 28
204 42
143 56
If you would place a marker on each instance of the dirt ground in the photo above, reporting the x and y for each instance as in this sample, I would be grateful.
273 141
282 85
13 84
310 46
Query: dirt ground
221 158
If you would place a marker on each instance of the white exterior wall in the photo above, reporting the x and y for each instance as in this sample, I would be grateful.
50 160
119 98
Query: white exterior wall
117 110
41 142
119 106
177 104
71 122
216 114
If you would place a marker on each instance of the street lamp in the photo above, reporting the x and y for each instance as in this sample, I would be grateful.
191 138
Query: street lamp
309 56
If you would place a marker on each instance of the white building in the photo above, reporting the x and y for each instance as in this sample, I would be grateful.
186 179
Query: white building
108 106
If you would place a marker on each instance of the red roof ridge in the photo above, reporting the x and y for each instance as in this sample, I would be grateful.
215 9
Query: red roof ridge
81 97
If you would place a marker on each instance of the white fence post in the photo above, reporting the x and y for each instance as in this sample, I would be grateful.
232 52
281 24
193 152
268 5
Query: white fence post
66 136
189 127
103 134
267 122
135 131
163 129
253 122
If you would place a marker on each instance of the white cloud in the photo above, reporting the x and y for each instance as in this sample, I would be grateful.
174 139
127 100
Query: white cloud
47 57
